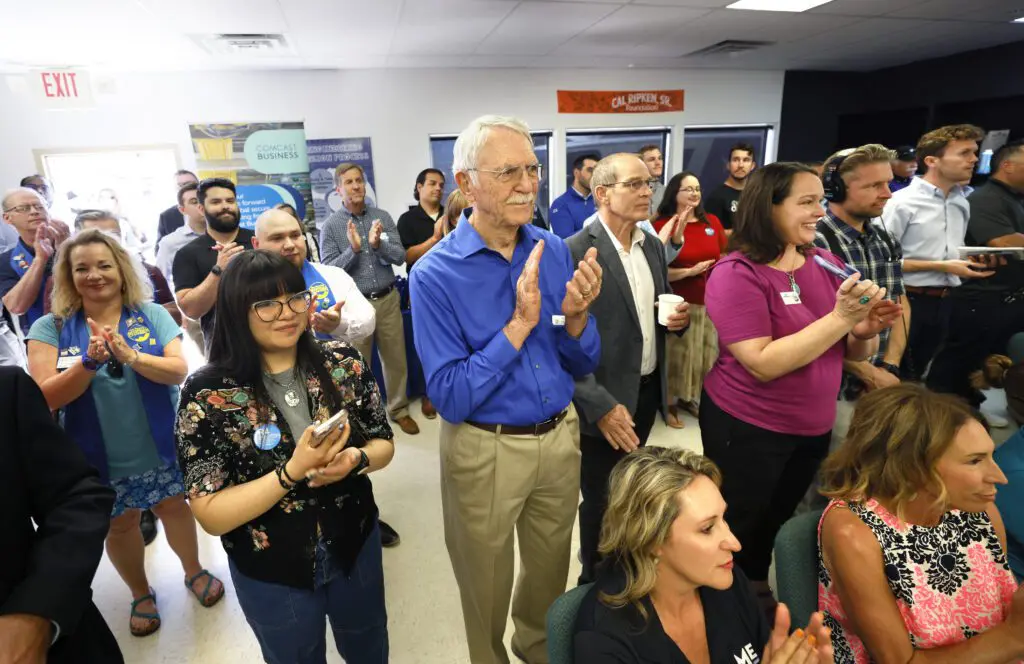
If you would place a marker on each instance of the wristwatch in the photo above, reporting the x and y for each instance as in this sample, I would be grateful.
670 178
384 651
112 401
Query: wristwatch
216 270
363 465
891 368
90 364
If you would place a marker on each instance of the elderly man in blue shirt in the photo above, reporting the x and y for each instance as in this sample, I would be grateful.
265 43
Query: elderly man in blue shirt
502 327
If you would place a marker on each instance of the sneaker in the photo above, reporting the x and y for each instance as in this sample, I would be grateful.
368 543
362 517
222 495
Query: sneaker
995 421
147 524
408 425
388 536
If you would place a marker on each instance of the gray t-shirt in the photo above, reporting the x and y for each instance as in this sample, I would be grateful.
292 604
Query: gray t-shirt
290 381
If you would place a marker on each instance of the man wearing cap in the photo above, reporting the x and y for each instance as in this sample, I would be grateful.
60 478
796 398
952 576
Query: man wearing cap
903 167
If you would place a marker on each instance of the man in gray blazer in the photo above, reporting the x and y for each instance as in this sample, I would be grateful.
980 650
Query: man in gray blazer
617 404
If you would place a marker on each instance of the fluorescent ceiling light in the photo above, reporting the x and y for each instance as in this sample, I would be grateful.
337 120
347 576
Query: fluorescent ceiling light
1019 20
778 5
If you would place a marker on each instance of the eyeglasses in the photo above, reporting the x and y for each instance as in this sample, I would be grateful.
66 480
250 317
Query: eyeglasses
270 310
22 209
513 173
637 185
690 190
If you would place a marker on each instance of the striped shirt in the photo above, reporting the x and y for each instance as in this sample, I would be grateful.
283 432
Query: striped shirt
370 268
876 257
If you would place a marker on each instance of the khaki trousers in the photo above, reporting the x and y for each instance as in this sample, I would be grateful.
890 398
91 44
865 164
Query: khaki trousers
389 333
492 485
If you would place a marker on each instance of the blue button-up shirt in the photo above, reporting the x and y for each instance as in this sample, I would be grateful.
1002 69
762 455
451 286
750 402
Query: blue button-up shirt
462 295
569 211
930 226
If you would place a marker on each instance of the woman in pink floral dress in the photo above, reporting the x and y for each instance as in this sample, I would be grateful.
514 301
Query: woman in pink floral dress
912 551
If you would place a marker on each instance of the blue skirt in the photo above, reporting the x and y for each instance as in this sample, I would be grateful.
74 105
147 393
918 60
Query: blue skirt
143 491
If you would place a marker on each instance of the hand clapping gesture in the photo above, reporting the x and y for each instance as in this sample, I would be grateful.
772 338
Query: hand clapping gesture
376 228
584 287
325 321
528 289
812 645
354 239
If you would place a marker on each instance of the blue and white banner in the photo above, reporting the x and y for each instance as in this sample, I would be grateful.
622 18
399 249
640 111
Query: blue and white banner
325 154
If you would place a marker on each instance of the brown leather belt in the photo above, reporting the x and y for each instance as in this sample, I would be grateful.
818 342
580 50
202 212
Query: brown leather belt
929 291
538 429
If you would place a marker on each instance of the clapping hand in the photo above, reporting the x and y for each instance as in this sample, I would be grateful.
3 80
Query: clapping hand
45 243
118 347
881 317
354 240
328 320
225 252
584 287
97 350
528 296
376 228
804 646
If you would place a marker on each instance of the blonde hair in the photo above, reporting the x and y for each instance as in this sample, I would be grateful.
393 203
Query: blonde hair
854 158
453 208
643 502
896 438
66 300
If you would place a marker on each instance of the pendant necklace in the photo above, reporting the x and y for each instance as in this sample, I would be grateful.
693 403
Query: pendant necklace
290 396
793 287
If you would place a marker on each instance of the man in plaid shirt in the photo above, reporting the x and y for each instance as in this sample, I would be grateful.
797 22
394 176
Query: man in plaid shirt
856 185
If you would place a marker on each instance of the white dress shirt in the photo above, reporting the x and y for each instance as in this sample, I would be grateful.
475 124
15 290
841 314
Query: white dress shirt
930 226
358 317
169 246
641 283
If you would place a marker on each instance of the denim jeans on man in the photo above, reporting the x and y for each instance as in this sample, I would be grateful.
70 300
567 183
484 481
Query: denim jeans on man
289 622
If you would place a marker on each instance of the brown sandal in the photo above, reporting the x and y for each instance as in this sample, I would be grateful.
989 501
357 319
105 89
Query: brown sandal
673 420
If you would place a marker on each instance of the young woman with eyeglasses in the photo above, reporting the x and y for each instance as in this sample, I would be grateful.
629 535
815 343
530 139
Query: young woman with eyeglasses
692 355
110 360
295 511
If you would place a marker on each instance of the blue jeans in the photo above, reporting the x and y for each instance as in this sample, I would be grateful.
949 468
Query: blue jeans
289 622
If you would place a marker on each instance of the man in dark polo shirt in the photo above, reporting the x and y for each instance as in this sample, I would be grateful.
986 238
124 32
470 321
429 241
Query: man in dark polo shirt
420 226
198 265
987 312
172 218
723 201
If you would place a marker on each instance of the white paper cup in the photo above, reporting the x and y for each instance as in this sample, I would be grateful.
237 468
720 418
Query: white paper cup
667 303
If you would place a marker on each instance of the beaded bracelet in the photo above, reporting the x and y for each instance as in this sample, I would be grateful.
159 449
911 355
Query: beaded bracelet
284 485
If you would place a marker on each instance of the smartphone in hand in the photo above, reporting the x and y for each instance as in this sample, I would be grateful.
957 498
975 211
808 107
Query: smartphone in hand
336 421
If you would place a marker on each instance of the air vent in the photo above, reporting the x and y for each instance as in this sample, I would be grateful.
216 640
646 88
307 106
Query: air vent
729 47
245 44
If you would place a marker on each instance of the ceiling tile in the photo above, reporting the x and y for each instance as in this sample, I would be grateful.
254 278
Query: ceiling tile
537 28
623 31
447 26
865 7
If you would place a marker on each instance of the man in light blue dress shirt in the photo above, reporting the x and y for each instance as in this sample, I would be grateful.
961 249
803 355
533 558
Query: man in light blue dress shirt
929 220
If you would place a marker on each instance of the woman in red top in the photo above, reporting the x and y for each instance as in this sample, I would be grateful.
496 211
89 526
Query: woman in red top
691 356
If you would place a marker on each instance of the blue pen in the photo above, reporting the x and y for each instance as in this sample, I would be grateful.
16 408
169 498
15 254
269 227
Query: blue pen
842 274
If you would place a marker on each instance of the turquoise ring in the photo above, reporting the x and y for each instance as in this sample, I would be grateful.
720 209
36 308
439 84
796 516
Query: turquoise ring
864 299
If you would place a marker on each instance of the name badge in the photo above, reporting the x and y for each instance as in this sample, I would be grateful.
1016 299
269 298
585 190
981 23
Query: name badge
266 436
789 297
68 362
558 321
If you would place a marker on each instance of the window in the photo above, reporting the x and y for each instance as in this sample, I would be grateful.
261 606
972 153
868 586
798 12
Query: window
442 149
135 183
706 150
609 141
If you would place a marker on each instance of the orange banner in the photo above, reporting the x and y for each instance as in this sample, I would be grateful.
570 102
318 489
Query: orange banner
607 101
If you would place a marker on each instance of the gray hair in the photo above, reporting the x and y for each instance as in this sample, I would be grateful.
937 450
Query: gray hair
472 139
10 193
605 172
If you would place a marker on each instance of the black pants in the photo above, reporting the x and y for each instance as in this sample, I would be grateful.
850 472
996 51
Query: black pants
598 459
929 323
764 476
981 324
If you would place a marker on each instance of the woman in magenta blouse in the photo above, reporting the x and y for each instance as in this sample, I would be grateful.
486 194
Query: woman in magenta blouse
784 324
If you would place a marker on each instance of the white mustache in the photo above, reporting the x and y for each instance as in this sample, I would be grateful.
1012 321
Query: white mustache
519 200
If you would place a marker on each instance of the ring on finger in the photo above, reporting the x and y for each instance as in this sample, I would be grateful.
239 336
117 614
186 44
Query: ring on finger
864 299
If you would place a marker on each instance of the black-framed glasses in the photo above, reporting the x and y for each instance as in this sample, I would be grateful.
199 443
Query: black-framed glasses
22 209
513 173
637 185
270 310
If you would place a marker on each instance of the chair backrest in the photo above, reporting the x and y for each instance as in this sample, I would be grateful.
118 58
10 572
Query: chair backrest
796 566
560 622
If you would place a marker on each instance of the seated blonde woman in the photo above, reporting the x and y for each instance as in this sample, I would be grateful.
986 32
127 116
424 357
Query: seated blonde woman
912 564
668 591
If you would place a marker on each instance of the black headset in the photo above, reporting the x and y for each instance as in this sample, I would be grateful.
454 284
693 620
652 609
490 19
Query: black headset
832 182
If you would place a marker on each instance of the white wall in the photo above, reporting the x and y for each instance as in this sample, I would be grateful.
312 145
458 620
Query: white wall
398 109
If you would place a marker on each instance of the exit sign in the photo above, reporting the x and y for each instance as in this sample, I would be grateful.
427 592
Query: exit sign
62 88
